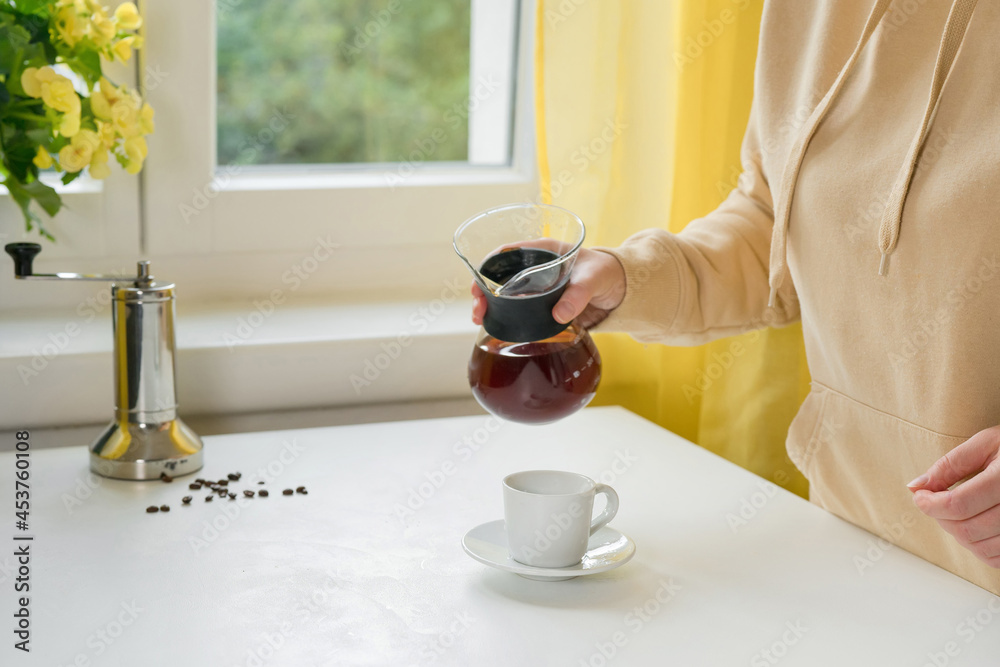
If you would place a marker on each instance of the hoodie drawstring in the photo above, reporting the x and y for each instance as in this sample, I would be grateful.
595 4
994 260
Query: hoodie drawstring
783 207
954 33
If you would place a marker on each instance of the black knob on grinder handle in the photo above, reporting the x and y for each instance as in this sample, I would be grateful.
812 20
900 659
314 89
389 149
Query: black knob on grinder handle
24 255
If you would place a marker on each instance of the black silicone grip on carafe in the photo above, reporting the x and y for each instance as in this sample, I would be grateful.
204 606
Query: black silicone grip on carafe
520 319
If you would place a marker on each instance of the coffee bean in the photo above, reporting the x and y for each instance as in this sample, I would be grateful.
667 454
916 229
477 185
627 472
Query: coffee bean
166 478
223 482
232 496
262 493
288 492
301 489
194 487
208 499
164 508
248 493
234 476
261 482
201 481
152 509
186 500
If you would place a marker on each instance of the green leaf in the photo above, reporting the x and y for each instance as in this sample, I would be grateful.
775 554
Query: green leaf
19 151
22 196
16 36
23 200
30 6
57 144
50 52
71 176
88 65
40 136
37 26
46 197
11 46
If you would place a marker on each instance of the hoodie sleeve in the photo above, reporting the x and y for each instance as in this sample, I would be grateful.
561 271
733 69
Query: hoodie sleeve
710 280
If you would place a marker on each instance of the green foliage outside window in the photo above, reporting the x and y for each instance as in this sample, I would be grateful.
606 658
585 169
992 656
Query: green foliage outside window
342 81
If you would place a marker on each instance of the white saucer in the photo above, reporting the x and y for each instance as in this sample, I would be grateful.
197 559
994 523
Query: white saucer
606 550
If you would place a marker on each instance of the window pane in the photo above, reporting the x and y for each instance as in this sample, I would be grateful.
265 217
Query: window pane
343 81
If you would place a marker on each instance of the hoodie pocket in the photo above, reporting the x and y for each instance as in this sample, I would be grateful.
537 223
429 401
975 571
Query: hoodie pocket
807 432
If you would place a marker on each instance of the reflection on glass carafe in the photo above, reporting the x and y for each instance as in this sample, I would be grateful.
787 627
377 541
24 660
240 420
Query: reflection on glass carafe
526 366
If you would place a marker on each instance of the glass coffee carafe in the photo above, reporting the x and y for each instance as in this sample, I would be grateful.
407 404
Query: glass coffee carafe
526 366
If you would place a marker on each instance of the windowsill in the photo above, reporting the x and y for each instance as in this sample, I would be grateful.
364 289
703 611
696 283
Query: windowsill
232 358
326 177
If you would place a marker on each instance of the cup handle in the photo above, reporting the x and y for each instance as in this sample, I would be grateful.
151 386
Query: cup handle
610 510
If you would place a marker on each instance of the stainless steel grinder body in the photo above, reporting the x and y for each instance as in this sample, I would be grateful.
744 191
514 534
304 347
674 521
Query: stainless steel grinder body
146 438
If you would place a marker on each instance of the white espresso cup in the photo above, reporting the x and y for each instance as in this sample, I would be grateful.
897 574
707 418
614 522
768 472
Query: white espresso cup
548 516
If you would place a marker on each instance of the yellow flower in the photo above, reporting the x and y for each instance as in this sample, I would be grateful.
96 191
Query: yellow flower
127 16
123 49
136 151
106 134
78 153
70 25
32 79
102 29
101 101
125 118
146 119
42 159
70 124
60 95
29 81
99 164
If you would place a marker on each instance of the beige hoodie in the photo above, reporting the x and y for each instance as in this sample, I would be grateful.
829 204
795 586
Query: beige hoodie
905 365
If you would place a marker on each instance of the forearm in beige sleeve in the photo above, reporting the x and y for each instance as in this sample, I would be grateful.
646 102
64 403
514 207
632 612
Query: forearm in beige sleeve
707 282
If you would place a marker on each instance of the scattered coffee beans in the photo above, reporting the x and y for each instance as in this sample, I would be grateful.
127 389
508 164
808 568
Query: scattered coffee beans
220 487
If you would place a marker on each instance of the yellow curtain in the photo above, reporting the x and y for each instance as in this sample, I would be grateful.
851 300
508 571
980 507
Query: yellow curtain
641 108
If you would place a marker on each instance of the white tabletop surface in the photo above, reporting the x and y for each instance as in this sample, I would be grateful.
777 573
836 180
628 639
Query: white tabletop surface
343 577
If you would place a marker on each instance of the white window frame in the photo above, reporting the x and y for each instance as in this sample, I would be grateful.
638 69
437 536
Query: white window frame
228 234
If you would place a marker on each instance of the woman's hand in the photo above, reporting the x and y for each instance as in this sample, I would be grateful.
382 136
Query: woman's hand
596 287
970 511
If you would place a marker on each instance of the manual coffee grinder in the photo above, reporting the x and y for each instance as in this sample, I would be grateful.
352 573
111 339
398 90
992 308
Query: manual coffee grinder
146 439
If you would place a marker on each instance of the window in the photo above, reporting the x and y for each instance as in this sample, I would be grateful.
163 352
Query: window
364 131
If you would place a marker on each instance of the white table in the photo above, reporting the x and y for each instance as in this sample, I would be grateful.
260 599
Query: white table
337 578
